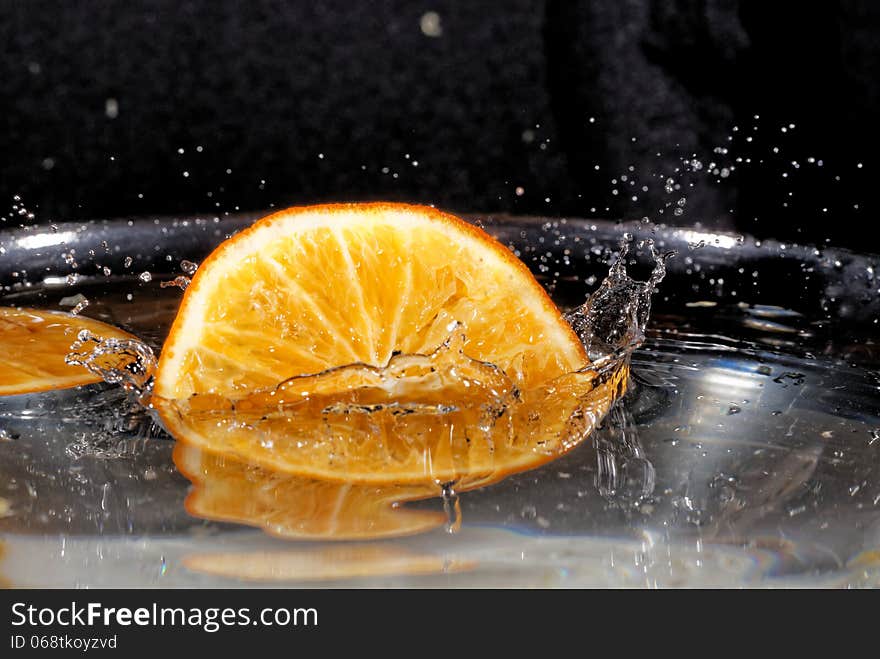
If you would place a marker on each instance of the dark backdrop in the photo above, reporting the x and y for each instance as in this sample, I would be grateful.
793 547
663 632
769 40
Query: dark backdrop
526 106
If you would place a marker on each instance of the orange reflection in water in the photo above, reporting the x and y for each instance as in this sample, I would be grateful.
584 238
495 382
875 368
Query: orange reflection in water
294 507
289 506
324 564
4 583
544 425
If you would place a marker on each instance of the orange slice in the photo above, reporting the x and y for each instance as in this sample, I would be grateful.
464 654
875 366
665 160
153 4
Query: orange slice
307 289
34 344
453 347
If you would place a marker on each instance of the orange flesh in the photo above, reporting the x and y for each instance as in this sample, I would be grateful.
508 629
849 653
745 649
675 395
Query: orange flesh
311 289
34 344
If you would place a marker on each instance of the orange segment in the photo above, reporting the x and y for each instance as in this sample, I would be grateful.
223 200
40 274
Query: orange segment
375 343
34 344
308 289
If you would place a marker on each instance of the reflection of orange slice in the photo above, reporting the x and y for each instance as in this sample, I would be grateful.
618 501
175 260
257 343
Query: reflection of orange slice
3 582
325 564
289 506
375 285
33 345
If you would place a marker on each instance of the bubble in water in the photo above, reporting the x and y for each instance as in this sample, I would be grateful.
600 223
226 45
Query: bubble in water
145 276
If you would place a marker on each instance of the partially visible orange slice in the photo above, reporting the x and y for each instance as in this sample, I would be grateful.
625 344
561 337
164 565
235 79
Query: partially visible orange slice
33 345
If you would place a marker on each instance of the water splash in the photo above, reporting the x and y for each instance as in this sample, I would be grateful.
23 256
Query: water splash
624 474
181 282
442 420
340 414
410 384
127 362
611 323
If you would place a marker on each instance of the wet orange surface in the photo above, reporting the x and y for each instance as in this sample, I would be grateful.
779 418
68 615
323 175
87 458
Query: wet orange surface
34 344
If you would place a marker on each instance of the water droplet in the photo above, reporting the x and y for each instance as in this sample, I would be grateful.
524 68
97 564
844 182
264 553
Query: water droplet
431 25
188 267
180 282
104 492
111 108
452 508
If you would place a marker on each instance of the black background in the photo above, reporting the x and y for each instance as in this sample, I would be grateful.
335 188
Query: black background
302 102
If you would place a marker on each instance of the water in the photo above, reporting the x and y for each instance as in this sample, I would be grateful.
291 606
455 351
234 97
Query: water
743 453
